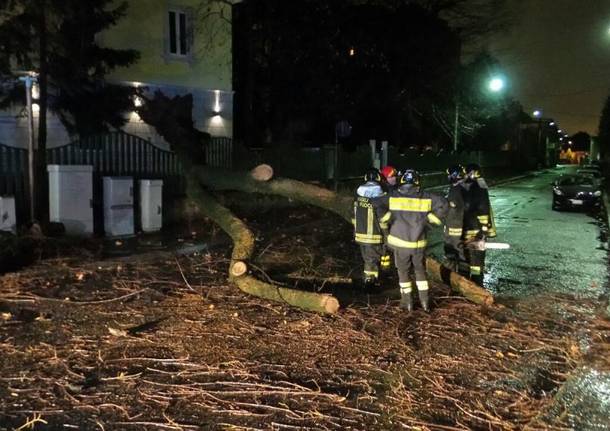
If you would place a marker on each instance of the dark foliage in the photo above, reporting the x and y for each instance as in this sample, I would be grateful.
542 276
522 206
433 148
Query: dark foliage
58 40
487 119
604 130
305 65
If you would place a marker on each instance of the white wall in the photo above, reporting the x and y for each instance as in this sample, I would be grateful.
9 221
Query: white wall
14 129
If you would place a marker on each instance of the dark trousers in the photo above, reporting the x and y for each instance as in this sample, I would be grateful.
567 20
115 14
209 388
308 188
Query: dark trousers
476 263
410 261
371 255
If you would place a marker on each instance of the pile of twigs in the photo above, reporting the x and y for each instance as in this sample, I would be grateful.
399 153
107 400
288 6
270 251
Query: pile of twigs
166 344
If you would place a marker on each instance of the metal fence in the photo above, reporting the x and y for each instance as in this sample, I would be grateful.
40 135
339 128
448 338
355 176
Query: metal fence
219 153
110 154
117 153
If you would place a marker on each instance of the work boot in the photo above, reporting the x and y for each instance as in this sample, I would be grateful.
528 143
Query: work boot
406 301
423 298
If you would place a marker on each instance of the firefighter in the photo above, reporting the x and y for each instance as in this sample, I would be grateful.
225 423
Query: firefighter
389 175
454 246
407 211
478 222
368 233
491 232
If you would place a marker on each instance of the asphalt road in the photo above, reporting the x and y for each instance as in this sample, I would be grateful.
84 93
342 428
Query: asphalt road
551 251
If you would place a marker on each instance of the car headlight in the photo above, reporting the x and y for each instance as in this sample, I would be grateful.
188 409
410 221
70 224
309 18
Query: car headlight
597 194
557 191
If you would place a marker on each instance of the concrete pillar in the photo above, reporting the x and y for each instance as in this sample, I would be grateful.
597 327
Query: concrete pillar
384 153
375 161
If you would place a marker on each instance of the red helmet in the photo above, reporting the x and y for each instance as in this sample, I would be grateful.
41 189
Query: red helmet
389 171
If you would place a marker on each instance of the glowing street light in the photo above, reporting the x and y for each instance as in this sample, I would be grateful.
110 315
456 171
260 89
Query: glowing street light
537 113
552 123
496 84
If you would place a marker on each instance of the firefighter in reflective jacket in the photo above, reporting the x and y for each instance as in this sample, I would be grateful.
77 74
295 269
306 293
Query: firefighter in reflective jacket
454 245
407 211
389 176
368 232
478 221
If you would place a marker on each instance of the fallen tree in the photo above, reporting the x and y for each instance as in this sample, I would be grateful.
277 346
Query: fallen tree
259 180
243 241
172 118
254 182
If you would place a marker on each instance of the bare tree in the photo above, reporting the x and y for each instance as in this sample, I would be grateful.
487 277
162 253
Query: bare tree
474 20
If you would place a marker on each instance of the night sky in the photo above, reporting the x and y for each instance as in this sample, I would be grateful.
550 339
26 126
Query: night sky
557 59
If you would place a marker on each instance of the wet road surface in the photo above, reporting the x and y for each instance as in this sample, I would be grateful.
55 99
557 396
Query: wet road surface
551 251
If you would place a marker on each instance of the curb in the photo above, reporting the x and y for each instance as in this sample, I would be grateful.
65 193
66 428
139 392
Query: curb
494 183
606 203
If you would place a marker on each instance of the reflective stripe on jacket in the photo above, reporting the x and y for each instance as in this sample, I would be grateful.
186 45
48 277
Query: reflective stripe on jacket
455 213
476 210
366 224
408 211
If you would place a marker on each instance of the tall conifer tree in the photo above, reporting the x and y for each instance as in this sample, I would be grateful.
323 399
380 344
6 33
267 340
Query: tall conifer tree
57 40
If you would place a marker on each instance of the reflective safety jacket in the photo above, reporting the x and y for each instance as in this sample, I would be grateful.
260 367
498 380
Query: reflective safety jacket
455 214
366 224
407 211
477 210
491 227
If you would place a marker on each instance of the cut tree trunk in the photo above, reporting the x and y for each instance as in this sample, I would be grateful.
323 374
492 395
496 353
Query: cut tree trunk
243 241
462 285
220 179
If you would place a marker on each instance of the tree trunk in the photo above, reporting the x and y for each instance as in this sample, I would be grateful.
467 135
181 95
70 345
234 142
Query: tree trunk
243 247
41 182
462 285
219 179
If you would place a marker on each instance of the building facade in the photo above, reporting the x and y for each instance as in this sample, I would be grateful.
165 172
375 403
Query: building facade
185 48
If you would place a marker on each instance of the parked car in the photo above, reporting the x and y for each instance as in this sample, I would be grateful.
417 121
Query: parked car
576 191
594 173
595 167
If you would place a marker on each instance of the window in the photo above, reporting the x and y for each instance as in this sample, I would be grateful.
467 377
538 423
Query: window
178 34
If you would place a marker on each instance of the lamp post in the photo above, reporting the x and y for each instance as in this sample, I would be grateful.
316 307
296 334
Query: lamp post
495 85
29 79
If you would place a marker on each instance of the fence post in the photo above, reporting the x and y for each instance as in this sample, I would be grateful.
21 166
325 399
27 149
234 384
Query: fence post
384 153
375 162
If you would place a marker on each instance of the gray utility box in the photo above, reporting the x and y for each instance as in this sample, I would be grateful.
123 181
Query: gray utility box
8 220
71 197
118 206
151 205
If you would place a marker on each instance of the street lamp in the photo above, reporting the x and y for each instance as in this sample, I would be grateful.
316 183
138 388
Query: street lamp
30 79
537 113
496 84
